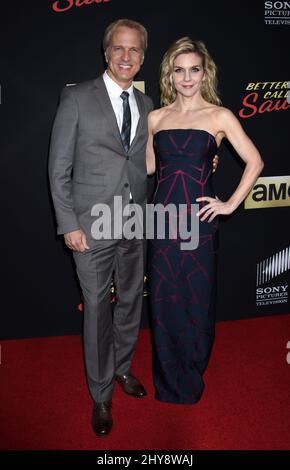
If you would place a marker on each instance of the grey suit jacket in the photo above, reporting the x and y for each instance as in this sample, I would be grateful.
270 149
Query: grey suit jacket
87 161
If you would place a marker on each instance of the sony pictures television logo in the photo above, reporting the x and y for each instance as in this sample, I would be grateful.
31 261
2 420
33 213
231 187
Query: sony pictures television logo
277 13
272 295
267 270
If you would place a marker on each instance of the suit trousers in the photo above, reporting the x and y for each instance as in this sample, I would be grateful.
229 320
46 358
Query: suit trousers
110 337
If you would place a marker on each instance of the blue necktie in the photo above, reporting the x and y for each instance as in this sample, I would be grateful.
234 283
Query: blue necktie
126 125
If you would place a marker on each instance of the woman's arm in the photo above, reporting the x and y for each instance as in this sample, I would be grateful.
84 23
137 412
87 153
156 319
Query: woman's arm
245 148
150 155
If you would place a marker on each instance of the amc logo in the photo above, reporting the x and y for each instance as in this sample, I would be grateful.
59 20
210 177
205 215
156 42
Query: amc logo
272 191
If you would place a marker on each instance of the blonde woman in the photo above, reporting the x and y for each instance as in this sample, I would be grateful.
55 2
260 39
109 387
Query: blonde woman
183 138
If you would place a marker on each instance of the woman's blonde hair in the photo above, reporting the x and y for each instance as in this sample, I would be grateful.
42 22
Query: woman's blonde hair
186 45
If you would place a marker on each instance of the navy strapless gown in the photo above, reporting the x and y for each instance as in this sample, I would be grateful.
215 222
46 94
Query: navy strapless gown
182 282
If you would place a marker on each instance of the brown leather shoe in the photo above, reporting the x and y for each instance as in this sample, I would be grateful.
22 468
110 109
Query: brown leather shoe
131 385
102 421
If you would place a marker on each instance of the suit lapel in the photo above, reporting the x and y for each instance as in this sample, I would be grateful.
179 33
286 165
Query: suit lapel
105 104
106 107
142 118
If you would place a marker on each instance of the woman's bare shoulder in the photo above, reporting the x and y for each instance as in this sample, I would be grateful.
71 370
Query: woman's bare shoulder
156 116
222 112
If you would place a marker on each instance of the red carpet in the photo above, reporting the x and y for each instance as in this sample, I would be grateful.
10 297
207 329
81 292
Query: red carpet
44 402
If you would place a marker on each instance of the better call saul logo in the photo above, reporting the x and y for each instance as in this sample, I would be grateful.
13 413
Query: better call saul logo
269 191
265 97
61 6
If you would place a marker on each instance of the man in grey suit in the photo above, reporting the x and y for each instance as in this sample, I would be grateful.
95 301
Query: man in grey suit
98 152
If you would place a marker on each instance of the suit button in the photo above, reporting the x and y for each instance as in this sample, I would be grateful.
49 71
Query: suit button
127 158
126 185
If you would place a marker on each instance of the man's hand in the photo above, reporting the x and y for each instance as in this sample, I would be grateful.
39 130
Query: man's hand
76 240
215 162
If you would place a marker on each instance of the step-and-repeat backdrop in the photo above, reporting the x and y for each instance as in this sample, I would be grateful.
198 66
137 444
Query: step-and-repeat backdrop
50 43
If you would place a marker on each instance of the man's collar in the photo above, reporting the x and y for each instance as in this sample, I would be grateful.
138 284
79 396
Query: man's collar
113 87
